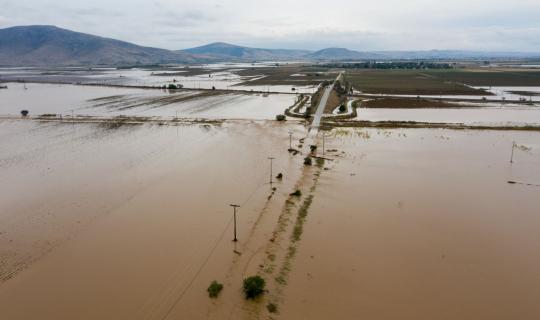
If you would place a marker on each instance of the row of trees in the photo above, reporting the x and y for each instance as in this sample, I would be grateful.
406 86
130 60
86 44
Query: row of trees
392 65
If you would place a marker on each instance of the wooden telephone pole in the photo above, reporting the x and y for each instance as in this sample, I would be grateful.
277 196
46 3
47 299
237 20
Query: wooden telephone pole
512 156
290 140
234 208
271 165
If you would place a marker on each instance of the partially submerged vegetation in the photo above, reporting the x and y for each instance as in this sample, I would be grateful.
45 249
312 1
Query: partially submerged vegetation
214 289
425 125
297 193
123 103
423 65
254 287
118 121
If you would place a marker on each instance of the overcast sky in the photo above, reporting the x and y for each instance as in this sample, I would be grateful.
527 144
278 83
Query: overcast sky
355 24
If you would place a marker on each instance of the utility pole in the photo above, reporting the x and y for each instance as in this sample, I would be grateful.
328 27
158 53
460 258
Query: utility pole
323 137
512 156
234 208
290 140
271 164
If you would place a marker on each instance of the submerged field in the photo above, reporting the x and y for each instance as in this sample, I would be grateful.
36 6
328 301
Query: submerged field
136 219
66 100
126 218
421 224
273 77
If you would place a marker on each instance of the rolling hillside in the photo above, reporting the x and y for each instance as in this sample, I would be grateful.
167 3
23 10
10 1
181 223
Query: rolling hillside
53 46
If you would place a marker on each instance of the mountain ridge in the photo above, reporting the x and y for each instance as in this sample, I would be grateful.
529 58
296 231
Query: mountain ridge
45 45
231 51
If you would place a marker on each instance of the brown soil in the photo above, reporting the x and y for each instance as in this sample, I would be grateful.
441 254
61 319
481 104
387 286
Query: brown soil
407 103
525 93
411 82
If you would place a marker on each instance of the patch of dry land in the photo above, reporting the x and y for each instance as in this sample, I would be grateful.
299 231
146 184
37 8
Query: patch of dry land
457 81
414 103
134 222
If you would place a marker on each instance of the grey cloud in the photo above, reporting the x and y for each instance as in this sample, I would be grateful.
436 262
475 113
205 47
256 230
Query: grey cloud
301 24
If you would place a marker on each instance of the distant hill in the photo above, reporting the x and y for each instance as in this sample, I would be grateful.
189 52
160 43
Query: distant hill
226 51
342 54
52 46
454 55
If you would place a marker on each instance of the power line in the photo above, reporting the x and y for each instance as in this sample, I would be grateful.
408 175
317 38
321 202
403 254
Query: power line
198 272
208 257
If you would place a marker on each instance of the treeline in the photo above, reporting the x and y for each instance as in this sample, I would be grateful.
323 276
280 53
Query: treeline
392 65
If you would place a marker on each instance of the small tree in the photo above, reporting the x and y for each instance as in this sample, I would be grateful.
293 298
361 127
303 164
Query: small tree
280 117
24 113
254 287
214 289
297 193
172 87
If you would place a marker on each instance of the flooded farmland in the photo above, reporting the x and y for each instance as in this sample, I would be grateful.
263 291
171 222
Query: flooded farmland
115 101
129 220
421 224
127 217
108 219
219 76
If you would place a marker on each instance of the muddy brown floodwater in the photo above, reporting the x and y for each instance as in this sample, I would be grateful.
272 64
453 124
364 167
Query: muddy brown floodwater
133 222
421 224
